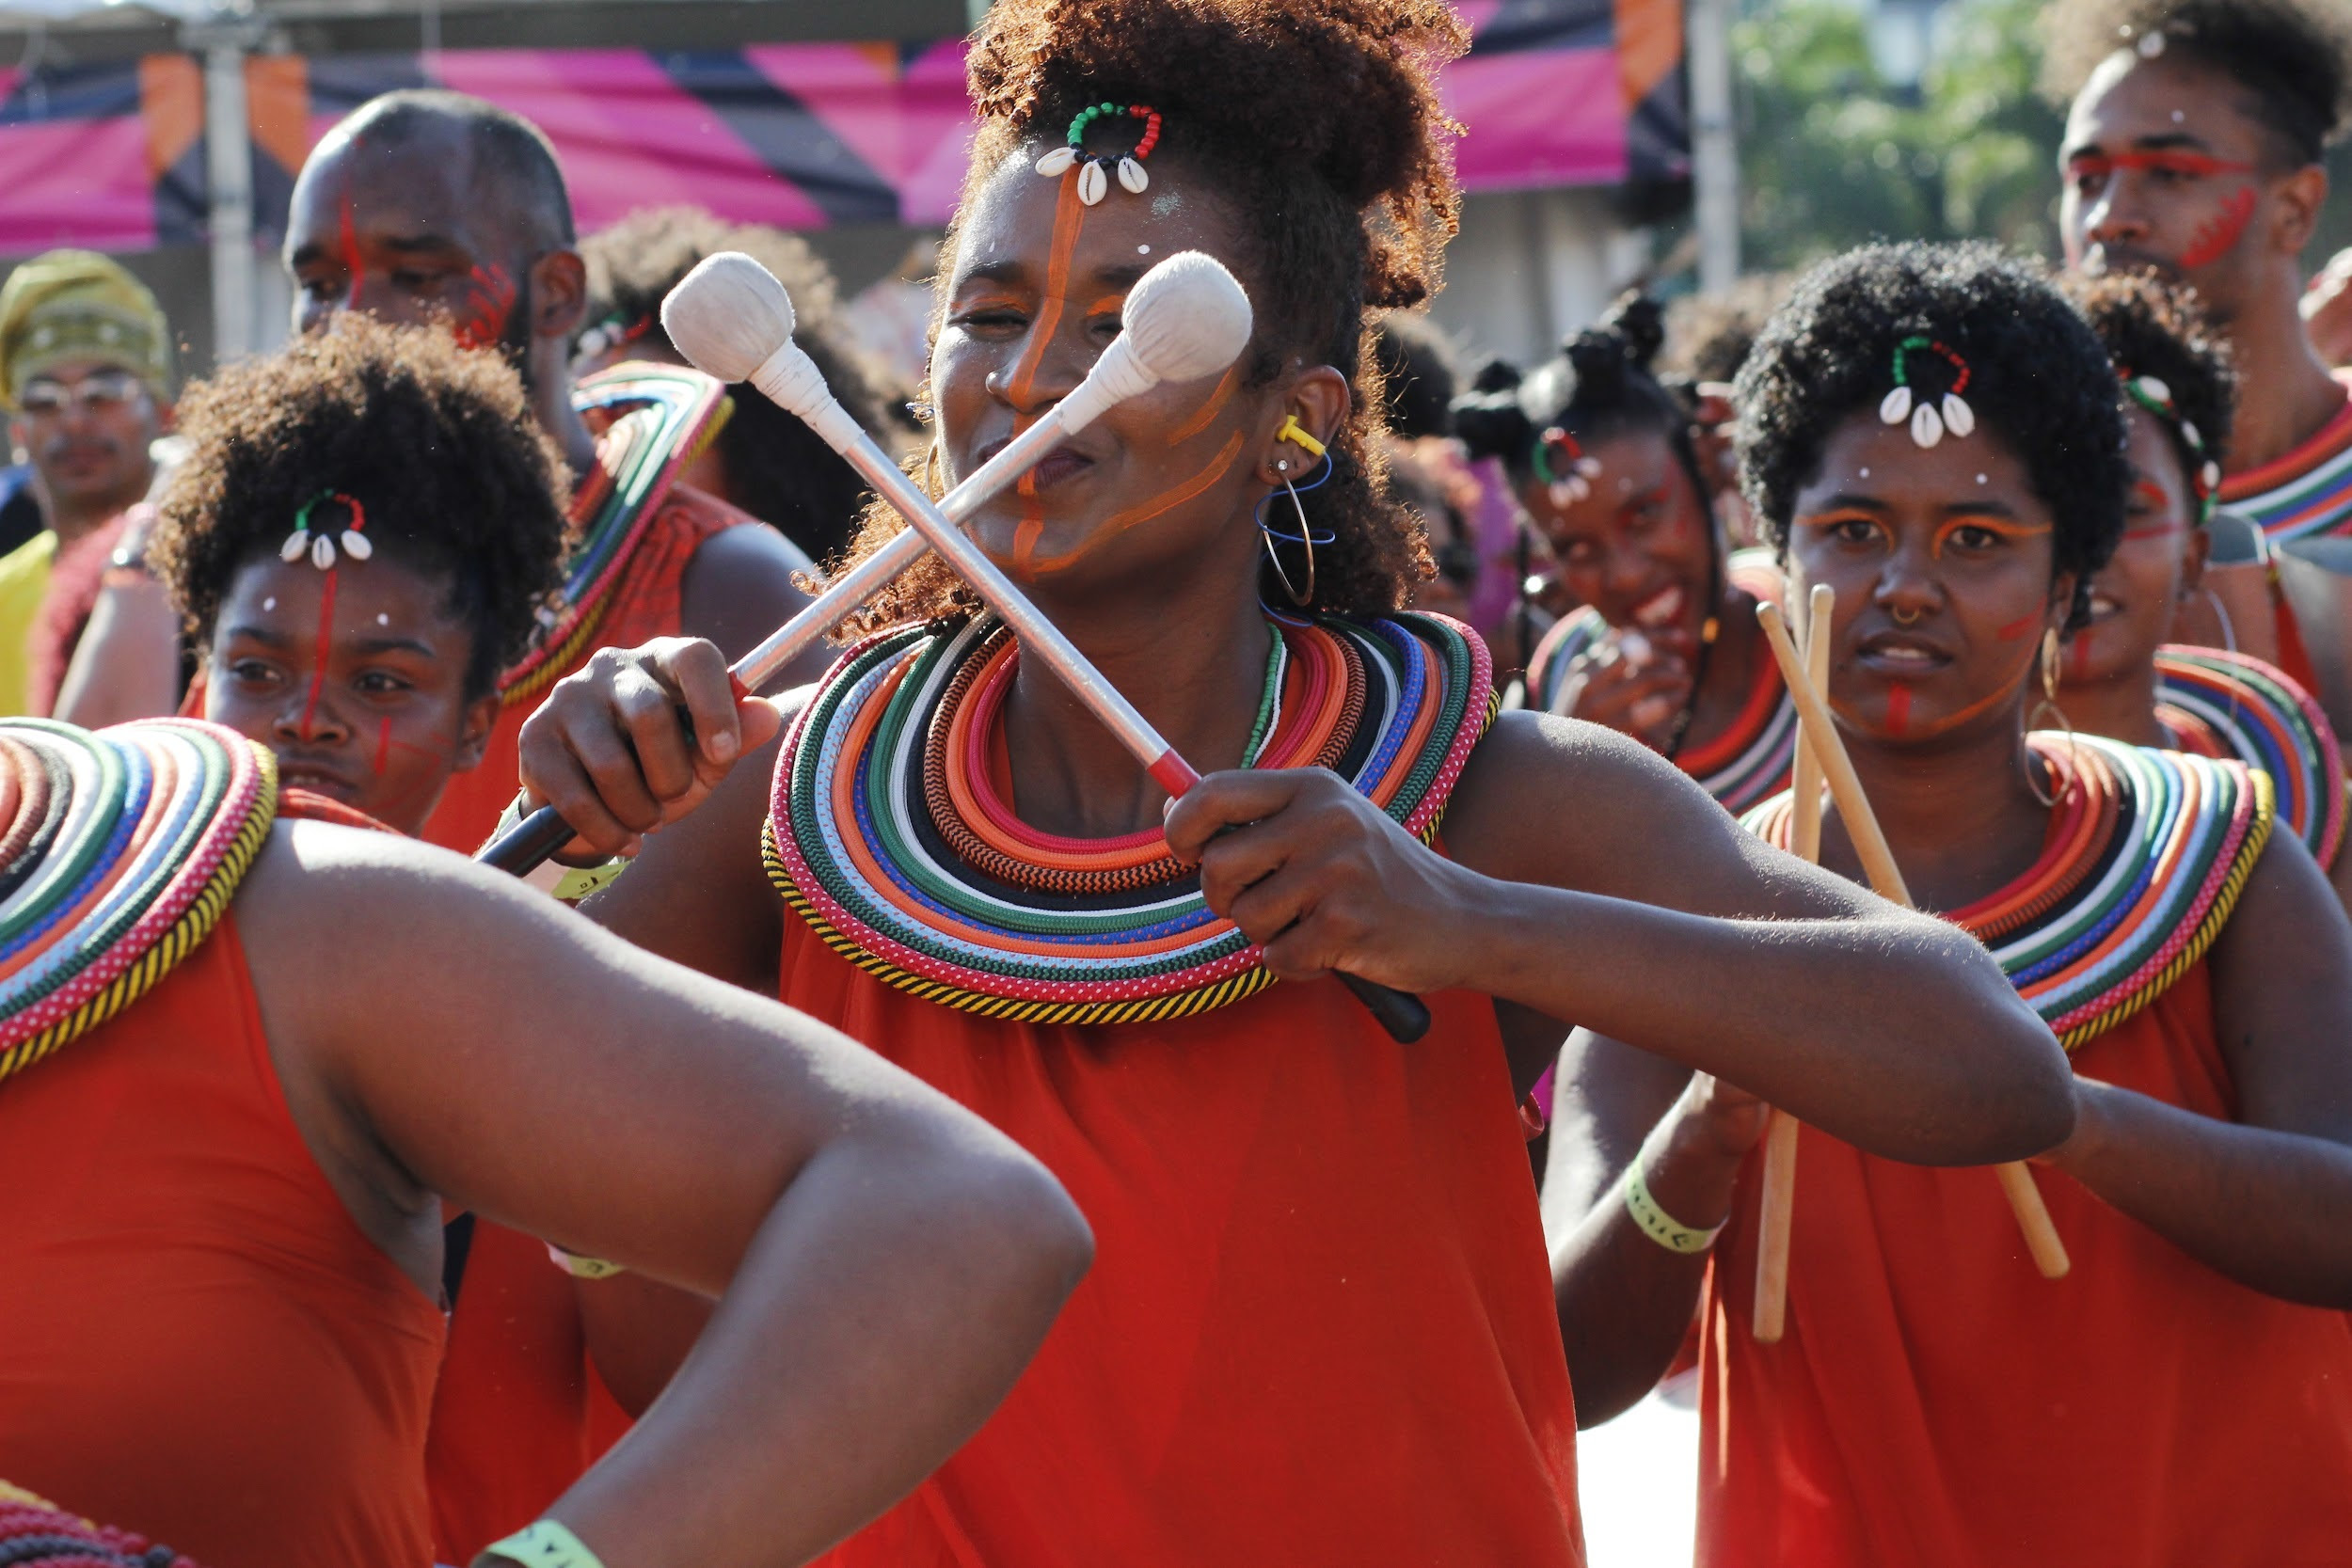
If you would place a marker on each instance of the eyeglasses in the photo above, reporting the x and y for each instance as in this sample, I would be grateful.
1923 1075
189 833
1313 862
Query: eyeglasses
44 398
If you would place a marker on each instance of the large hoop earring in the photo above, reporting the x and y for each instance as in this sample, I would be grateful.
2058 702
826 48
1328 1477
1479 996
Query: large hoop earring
1306 536
2047 708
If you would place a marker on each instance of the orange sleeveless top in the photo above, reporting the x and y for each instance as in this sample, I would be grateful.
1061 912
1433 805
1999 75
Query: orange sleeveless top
1319 1328
197 1342
645 604
1936 1403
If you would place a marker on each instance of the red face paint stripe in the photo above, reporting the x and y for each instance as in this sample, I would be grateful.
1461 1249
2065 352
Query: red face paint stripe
2092 166
2017 628
2219 234
325 649
1898 708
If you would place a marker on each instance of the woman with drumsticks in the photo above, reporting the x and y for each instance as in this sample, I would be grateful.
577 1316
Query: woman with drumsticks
1319 1328
1665 647
2122 675
2185 1394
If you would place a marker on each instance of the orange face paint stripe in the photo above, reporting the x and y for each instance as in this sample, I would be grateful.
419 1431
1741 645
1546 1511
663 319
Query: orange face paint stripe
1069 218
1218 396
2006 527
1119 522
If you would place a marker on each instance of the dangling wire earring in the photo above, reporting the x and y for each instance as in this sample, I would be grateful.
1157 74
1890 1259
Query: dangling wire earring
2047 708
1306 536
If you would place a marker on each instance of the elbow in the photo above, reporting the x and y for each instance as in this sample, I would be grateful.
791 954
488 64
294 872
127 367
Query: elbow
1041 1245
2010 1095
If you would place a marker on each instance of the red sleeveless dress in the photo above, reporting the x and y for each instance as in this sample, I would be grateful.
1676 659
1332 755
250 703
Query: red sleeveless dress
197 1342
1319 1327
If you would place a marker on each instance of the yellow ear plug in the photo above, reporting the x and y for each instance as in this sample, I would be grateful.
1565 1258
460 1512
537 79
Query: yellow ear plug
1293 430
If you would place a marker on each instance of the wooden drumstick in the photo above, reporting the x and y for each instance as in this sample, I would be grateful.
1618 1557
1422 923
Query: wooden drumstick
1776 1210
1878 864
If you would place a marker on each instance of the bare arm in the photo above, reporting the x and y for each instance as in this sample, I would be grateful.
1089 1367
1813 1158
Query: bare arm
739 588
2266 1199
1592 882
127 664
888 1263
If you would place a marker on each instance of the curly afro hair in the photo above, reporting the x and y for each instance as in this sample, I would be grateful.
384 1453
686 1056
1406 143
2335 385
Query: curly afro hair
2039 382
1418 374
1318 123
1708 335
2294 57
438 442
2151 327
778 469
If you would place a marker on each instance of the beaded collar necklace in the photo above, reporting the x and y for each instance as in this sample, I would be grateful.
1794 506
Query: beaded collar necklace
890 833
673 414
120 851
2146 854
2225 705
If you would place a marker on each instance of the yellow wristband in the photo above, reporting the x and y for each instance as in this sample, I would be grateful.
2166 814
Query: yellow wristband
1656 1223
582 1268
548 1543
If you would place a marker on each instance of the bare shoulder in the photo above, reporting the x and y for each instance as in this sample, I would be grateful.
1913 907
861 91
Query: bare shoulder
740 586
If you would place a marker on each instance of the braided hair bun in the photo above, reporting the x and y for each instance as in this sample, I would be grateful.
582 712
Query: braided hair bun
1600 383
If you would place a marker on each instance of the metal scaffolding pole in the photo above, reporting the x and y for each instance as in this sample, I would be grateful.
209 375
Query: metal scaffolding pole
225 42
1714 144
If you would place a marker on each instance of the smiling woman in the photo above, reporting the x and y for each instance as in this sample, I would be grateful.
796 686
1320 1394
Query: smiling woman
358 540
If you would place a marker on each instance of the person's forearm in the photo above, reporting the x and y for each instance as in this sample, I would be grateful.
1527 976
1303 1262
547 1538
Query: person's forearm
2272 1210
884 1309
1624 1302
127 663
1895 1032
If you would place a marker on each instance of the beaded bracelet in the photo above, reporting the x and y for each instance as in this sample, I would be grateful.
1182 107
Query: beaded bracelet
1656 1223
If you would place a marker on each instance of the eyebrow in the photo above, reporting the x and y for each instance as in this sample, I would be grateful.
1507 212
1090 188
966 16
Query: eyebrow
397 645
1013 272
414 245
259 634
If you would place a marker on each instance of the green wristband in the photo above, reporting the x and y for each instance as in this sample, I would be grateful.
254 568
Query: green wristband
1656 1223
548 1543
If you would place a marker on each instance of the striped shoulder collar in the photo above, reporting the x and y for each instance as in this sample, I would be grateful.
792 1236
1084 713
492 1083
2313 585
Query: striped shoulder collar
121 848
2228 705
2308 491
2145 857
891 833
666 415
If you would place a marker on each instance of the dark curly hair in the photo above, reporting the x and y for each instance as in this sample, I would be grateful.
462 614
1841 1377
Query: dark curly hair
1317 121
1600 383
2037 380
2294 57
1708 335
778 470
436 441
1418 374
2151 327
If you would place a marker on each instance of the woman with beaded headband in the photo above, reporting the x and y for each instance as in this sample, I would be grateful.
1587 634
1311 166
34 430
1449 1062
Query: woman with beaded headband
1320 1330
2184 1393
1666 647
2123 674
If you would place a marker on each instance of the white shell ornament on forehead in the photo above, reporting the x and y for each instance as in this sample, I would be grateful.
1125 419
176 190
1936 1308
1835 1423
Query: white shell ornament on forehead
1092 185
1057 162
1929 421
2150 43
318 543
1094 173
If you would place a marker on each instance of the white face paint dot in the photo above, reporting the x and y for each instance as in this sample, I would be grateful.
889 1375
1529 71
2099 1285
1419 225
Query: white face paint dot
383 620
2178 117
269 604
1866 473
1143 250
1981 480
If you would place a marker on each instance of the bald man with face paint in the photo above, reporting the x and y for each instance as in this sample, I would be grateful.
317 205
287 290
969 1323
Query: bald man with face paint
435 207
2192 148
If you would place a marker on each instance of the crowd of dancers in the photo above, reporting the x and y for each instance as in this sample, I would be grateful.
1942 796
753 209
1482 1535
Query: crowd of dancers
1848 796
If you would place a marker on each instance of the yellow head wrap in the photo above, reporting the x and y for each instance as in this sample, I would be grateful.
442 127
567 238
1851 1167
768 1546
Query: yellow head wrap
79 305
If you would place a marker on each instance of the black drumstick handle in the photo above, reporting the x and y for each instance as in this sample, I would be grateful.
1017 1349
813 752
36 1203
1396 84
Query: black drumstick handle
1405 1016
524 847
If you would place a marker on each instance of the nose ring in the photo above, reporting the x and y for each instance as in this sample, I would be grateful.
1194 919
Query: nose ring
1901 619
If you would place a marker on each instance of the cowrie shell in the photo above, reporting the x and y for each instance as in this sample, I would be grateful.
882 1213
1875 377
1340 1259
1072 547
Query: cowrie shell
1132 176
1895 406
1057 162
356 544
1092 183
1926 428
2155 391
1959 418
297 545
322 552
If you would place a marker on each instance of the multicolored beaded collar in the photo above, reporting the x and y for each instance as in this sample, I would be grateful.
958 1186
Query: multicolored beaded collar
890 833
2146 855
119 851
673 414
2204 474
36 1534
2225 705
1094 173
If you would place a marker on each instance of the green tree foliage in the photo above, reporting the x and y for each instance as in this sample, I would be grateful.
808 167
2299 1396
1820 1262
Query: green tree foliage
1831 154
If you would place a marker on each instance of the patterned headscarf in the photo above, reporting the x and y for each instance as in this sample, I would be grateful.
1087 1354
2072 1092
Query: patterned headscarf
79 305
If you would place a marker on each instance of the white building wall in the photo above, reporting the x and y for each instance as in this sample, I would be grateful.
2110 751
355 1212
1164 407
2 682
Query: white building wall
1532 266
